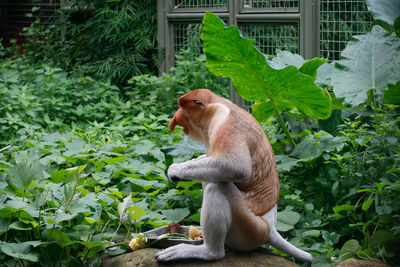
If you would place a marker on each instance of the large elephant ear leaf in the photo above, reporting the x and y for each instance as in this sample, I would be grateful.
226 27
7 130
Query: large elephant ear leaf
369 61
385 10
230 55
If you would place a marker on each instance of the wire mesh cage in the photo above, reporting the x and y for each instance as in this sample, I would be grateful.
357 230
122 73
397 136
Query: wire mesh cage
270 3
13 16
339 20
200 4
187 36
270 37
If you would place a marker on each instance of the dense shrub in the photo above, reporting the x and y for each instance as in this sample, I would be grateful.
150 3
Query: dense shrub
74 155
43 98
115 40
347 193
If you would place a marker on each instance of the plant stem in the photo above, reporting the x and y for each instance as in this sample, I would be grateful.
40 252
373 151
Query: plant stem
8 225
282 123
115 233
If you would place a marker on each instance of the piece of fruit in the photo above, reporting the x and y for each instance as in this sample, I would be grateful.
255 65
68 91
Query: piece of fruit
194 233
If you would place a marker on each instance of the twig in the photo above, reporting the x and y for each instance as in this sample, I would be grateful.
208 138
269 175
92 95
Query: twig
5 148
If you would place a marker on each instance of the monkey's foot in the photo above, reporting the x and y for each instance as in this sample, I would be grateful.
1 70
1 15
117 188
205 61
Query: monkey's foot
185 251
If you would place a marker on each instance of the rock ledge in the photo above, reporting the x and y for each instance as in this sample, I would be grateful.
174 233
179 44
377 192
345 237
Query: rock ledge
146 258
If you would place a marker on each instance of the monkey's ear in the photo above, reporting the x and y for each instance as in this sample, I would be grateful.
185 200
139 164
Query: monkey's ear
198 102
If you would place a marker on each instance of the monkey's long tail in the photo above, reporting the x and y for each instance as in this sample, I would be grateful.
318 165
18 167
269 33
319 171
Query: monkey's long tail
277 241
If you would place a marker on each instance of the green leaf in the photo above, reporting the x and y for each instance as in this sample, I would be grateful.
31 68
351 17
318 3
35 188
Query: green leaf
176 215
127 202
330 237
262 110
314 233
321 261
369 61
392 95
382 237
367 204
62 239
93 244
309 206
187 185
136 213
185 147
313 146
146 184
310 67
25 176
21 251
381 210
286 220
90 220
285 163
115 160
284 59
385 10
348 249
17 225
340 208
230 55
3 225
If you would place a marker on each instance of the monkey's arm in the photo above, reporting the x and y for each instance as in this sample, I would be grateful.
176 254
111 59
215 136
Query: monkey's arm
212 169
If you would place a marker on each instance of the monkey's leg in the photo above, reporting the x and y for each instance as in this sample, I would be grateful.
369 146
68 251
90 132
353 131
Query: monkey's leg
215 222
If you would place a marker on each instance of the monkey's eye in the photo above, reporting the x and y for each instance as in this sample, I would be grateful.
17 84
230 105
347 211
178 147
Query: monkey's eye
198 102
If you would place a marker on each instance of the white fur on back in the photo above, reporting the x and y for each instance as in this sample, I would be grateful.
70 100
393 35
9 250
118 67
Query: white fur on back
219 118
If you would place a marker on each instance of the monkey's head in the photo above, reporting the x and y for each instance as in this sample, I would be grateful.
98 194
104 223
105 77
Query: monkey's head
196 109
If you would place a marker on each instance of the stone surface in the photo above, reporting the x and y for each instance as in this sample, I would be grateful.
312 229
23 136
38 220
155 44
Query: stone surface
361 263
146 258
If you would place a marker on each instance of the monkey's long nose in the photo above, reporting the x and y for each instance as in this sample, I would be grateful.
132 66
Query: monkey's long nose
172 124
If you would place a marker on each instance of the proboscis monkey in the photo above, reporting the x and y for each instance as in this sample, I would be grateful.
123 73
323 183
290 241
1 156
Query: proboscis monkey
239 175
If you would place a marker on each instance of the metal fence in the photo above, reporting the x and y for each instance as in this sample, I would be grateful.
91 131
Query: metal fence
270 3
200 3
339 20
269 38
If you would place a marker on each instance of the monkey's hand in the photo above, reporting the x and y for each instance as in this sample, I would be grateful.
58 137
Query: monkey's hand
175 172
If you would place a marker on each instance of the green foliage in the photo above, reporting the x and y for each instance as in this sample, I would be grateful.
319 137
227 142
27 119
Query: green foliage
350 189
35 97
73 192
190 73
81 167
115 40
